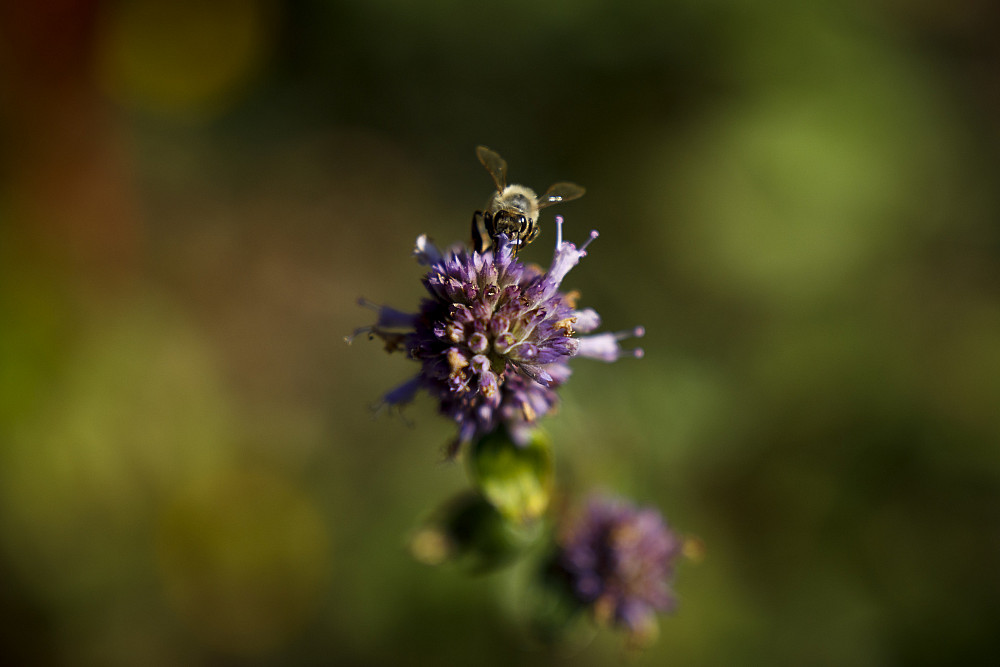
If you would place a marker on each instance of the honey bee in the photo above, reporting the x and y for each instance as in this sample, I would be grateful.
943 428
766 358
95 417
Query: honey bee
513 209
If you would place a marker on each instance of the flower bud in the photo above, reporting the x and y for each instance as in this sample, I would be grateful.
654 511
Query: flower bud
516 479
470 532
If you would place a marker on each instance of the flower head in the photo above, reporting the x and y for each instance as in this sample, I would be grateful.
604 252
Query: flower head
494 335
619 560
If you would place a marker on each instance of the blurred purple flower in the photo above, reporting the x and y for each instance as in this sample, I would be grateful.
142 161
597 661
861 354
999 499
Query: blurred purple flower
495 336
619 561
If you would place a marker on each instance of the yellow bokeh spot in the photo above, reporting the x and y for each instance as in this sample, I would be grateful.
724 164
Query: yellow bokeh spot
183 57
693 549
431 547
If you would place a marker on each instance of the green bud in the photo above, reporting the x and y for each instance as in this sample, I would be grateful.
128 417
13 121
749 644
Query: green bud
470 531
515 479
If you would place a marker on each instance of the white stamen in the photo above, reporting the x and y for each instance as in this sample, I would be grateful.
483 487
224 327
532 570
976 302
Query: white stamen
593 235
638 332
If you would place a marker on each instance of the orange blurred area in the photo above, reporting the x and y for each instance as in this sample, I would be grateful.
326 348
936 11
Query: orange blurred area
798 202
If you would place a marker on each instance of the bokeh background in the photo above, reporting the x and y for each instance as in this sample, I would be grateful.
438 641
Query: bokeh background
798 200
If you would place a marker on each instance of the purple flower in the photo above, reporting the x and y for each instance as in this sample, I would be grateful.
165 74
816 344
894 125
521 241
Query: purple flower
494 337
618 560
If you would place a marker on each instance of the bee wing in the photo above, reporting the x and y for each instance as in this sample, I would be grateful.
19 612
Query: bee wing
494 164
560 192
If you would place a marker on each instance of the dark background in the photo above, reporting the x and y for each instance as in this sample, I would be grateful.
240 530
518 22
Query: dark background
798 201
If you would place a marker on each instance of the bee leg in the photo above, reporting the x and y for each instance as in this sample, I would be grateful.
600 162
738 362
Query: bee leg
481 239
533 234
515 228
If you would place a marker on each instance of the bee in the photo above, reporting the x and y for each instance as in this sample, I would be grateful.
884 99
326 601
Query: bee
513 209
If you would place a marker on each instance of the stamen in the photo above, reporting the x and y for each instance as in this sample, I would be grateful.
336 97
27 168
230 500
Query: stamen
593 235
559 224
456 360
605 346
357 332
638 332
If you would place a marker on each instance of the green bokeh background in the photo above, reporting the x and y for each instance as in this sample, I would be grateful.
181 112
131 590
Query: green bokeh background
797 200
